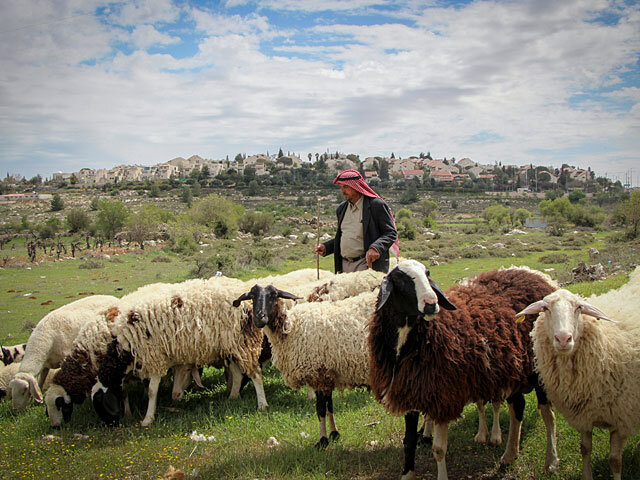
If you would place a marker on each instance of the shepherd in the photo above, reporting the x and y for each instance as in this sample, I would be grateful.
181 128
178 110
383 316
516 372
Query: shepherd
366 228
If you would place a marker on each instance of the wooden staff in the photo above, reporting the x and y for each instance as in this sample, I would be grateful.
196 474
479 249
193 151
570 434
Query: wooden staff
318 241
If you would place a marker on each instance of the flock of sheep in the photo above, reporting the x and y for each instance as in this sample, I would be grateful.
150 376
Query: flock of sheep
493 337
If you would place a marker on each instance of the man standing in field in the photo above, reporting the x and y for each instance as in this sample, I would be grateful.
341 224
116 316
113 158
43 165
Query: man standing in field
366 229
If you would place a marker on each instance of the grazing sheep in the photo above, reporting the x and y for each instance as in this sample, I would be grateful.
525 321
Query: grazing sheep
12 354
49 343
424 359
188 323
322 345
589 368
7 373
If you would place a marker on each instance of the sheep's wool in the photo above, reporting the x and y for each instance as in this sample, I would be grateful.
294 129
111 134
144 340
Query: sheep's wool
598 384
326 344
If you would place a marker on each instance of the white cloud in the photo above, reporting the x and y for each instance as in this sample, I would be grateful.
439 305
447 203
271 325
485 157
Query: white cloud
145 36
507 68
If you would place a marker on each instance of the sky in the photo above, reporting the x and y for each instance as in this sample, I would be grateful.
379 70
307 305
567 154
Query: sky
87 83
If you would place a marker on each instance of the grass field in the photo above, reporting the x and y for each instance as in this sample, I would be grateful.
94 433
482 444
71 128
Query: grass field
371 443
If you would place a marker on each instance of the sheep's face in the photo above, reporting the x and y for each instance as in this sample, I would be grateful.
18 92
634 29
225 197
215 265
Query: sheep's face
411 291
59 406
563 320
106 402
182 375
20 394
265 300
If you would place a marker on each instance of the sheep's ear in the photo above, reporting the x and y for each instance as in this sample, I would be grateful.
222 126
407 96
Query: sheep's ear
244 296
587 309
443 301
287 295
195 374
34 389
386 287
535 307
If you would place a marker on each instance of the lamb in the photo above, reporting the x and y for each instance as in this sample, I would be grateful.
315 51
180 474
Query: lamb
49 343
322 345
7 373
13 353
187 323
590 369
424 359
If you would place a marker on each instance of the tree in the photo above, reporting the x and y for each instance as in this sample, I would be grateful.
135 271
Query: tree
77 220
253 188
238 158
93 206
197 189
520 215
155 191
111 217
37 180
140 227
205 173
56 203
280 154
186 196
73 180
217 213
384 170
427 207
576 196
629 210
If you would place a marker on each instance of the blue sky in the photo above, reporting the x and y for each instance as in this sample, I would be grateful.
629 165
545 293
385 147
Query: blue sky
86 83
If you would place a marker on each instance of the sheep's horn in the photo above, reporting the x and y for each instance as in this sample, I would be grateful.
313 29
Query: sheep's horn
195 374
532 309
587 309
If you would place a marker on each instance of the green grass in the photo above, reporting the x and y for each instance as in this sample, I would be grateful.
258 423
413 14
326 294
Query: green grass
371 443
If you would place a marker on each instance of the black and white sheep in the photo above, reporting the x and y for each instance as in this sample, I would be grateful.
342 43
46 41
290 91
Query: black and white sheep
49 343
589 368
12 353
432 360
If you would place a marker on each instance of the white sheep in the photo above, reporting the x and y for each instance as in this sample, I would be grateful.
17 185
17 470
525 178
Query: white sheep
188 323
49 343
589 368
322 345
8 372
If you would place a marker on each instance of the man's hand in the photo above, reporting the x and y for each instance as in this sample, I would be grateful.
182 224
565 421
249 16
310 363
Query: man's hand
320 249
371 256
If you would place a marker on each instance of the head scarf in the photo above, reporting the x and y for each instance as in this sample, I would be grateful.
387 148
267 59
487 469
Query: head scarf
353 178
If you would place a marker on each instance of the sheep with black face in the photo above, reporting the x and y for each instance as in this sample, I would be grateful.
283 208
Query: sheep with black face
428 356
322 345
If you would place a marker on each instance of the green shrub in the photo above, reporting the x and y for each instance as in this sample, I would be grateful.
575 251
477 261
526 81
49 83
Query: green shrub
91 264
256 223
218 213
554 258
404 213
77 220
429 222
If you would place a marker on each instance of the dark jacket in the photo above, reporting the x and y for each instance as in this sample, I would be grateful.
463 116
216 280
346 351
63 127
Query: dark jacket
378 231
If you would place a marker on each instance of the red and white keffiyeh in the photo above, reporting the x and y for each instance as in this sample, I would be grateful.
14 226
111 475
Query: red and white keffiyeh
353 178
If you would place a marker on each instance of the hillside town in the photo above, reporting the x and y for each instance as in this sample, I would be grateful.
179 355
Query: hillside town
420 168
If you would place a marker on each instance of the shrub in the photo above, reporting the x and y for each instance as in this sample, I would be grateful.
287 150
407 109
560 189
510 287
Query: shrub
554 258
407 230
404 213
91 264
161 259
49 228
111 217
218 213
429 222
77 220
256 223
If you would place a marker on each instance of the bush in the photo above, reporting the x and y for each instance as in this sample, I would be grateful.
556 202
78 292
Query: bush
554 258
429 222
404 213
256 223
161 259
218 213
407 231
77 220
49 228
91 264
230 263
